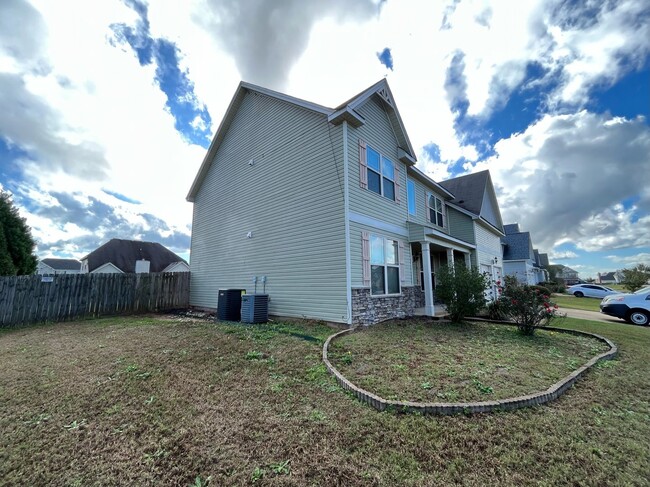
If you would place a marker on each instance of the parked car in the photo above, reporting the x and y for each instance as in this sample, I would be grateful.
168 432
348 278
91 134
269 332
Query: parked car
590 291
633 308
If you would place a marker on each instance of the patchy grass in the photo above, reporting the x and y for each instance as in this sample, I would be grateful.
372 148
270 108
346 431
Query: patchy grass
570 301
431 362
156 401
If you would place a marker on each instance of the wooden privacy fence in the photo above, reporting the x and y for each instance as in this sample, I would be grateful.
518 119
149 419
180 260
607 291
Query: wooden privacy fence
30 299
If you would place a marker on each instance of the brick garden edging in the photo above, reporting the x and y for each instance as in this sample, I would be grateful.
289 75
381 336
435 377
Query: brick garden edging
537 398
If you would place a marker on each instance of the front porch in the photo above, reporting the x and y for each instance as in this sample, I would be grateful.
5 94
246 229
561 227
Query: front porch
431 249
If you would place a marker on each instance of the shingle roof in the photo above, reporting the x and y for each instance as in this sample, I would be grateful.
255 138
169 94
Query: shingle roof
468 190
511 228
63 264
517 246
124 253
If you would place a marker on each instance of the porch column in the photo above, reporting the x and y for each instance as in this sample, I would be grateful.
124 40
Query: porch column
429 309
450 259
468 260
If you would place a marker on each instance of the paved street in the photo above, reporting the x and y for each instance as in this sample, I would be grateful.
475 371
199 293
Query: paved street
590 315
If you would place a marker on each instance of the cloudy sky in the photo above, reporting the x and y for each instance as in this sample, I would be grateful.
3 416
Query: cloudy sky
107 108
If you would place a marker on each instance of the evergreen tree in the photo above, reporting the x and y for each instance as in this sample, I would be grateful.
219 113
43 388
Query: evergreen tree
16 242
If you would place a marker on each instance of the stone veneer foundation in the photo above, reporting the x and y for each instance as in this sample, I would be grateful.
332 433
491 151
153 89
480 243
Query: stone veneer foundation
368 310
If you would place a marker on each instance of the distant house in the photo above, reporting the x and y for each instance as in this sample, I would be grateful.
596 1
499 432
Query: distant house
132 256
607 278
58 266
566 274
520 259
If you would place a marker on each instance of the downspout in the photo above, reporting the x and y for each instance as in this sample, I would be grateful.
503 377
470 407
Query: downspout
346 206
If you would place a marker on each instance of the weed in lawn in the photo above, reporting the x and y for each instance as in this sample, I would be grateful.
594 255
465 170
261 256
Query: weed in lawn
258 474
426 386
199 482
483 389
35 421
317 415
254 355
75 425
281 468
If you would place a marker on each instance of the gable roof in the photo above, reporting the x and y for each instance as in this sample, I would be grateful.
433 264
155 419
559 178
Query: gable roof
518 246
123 254
62 264
344 112
511 228
609 276
470 193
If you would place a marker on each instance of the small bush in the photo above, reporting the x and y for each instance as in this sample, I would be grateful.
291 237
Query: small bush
554 287
461 290
528 307
495 310
542 289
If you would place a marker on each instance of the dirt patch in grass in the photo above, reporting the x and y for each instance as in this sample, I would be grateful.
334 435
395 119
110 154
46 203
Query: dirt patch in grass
148 401
431 362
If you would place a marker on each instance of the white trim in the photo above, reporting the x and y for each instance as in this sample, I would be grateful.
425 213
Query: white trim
346 114
99 270
346 206
427 180
377 224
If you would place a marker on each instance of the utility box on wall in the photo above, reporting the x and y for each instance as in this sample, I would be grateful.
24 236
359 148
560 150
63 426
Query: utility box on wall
229 304
255 308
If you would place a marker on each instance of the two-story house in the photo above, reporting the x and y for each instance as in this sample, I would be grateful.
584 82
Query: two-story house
520 259
324 209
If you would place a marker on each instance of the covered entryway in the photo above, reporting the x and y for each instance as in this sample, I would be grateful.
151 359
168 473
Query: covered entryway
432 249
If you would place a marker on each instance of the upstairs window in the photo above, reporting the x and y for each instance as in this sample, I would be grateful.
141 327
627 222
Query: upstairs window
410 193
436 210
381 174
378 173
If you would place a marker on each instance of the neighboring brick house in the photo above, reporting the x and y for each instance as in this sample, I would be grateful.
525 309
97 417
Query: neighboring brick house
325 205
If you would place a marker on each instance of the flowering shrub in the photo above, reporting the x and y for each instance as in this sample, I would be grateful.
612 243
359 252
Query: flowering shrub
527 306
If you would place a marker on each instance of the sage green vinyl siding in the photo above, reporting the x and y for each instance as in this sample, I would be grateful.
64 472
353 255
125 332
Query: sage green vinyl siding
356 266
461 225
422 212
378 134
290 199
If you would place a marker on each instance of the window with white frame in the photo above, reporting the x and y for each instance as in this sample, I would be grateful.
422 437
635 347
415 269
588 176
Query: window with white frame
381 174
436 210
410 193
384 266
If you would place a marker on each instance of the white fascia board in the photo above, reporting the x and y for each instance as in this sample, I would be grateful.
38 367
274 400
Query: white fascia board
489 226
443 236
290 99
346 115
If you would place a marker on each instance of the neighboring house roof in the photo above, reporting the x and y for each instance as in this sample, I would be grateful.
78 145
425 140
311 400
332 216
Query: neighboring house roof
475 193
511 228
607 276
344 112
518 246
62 264
124 253
543 260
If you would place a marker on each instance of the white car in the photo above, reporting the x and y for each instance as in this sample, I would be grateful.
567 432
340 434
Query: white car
590 291
633 308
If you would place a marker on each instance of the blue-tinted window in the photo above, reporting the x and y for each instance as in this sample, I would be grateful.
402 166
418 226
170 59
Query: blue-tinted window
410 192
381 174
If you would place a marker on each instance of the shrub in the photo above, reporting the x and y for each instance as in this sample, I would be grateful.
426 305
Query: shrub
542 289
461 290
495 310
528 307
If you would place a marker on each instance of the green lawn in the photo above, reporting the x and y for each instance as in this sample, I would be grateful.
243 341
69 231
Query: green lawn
426 362
162 401
570 301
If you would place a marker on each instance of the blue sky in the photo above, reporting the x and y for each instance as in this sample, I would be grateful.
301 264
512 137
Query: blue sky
103 125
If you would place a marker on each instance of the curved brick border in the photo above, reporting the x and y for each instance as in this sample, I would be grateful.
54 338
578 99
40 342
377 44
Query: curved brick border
550 394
